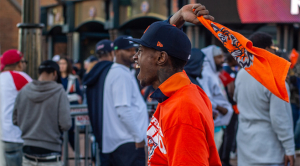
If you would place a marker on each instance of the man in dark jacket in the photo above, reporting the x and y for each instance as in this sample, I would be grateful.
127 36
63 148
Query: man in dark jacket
119 119
94 80
193 67
42 112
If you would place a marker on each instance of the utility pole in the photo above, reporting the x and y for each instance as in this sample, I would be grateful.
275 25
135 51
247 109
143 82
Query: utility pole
30 33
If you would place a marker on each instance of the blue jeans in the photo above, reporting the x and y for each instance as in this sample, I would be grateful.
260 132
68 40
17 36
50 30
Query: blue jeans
13 153
296 122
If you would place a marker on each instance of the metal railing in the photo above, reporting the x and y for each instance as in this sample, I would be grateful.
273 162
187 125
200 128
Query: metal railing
80 115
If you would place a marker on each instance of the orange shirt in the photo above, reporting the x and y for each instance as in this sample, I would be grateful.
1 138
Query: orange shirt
181 131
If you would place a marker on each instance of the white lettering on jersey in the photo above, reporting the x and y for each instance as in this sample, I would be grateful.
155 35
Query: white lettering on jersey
154 135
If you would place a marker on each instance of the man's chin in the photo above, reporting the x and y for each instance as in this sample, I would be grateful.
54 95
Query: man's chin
143 83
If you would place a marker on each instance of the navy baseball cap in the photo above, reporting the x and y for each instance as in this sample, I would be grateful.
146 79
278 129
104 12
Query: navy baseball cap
122 42
163 36
104 46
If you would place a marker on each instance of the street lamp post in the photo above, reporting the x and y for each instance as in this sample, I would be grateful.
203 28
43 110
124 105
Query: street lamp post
30 33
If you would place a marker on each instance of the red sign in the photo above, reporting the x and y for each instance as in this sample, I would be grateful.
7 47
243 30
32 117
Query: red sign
269 11
81 120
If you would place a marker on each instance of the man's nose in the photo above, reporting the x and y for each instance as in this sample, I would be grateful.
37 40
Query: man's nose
135 56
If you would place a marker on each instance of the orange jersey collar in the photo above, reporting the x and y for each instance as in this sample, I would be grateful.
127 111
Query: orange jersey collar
170 86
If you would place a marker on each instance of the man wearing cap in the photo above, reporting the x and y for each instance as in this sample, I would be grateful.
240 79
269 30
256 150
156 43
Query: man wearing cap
181 131
94 82
119 119
42 112
12 80
103 51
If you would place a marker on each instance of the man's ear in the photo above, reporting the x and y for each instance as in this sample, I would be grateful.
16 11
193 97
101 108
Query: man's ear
162 58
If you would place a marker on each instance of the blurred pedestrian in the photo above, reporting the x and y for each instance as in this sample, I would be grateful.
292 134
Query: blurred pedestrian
71 85
79 69
181 130
265 133
294 84
120 118
194 66
230 69
214 89
90 62
70 82
294 81
42 112
12 80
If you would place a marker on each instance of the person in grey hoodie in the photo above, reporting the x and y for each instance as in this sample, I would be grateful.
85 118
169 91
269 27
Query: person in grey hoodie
42 112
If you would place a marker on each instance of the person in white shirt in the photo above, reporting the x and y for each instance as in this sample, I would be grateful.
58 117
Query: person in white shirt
265 134
123 128
12 80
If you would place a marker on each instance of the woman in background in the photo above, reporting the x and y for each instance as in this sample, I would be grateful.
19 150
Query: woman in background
70 81
71 85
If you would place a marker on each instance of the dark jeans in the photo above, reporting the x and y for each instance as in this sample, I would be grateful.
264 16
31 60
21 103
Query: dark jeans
71 134
229 139
128 155
105 159
13 153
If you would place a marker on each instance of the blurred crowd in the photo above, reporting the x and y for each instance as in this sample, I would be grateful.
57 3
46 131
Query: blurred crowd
251 124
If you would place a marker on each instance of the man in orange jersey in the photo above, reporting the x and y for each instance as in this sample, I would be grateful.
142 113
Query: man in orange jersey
181 131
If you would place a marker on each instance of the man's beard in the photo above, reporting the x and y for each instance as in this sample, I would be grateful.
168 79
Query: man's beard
219 67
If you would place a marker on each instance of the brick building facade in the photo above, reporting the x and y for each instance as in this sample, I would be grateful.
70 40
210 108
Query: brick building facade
9 18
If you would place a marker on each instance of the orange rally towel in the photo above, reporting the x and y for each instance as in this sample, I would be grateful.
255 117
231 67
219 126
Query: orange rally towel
267 68
294 57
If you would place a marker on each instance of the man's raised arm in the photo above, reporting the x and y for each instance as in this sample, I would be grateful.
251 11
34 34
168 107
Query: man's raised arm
189 13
